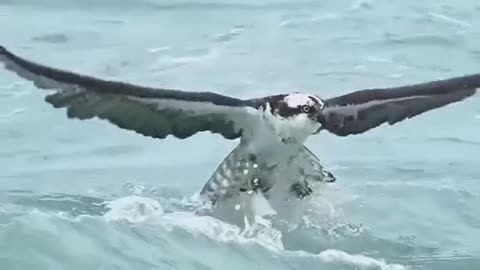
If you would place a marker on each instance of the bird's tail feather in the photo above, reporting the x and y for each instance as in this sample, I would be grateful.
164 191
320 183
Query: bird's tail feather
231 176
230 188
238 171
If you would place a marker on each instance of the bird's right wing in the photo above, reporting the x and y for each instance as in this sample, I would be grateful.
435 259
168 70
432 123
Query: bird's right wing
362 110
152 112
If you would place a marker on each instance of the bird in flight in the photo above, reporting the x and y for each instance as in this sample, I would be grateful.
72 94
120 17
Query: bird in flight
271 157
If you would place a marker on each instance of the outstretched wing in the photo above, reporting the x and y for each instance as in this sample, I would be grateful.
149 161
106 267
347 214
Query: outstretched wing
149 111
363 110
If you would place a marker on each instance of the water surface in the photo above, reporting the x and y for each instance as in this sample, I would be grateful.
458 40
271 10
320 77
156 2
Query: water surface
87 195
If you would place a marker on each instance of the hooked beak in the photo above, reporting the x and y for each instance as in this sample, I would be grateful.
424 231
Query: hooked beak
320 117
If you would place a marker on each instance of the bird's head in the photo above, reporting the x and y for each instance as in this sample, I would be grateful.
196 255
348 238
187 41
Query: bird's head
296 115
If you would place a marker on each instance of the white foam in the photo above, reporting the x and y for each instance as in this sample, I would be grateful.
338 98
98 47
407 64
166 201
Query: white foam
230 34
258 205
262 233
133 209
338 256
159 49
449 19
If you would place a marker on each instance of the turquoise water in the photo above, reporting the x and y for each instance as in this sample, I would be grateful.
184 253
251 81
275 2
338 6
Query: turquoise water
86 195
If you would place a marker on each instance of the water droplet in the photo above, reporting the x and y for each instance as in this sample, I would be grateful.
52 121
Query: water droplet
255 165
245 171
237 207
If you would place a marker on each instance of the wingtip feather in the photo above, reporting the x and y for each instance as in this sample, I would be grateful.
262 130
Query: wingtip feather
3 55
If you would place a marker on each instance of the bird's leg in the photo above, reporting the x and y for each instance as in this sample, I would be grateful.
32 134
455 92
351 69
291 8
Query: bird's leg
301 189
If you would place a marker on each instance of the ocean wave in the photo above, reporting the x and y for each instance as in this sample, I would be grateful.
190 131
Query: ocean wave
136 232
12 113
360 261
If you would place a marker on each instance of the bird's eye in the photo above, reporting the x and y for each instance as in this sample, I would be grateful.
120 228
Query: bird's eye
306 109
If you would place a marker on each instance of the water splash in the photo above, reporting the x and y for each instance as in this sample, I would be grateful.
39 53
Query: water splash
133 209
358 261
137 210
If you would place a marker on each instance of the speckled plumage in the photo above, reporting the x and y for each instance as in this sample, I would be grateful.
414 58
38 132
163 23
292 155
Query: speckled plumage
239 171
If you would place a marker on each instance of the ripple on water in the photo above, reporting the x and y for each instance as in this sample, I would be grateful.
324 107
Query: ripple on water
52 38
450 41
230 34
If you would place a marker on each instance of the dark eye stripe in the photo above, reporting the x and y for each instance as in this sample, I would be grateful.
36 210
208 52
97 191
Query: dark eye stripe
285 111
314 100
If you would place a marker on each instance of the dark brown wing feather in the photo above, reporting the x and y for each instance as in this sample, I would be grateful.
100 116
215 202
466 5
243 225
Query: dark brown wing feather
360 111
153 112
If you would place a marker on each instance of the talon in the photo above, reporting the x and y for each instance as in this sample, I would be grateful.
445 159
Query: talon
301 189
328 177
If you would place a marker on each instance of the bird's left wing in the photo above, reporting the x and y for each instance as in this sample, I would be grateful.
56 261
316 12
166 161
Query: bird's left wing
360 111
152 112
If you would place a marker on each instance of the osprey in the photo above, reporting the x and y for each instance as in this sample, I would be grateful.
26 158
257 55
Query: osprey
270 158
